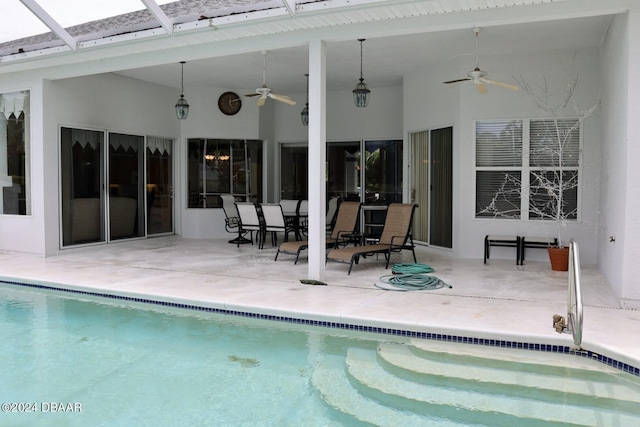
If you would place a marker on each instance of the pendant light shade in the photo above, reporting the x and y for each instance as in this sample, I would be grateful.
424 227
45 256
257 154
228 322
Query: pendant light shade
182 106
361 92
304 114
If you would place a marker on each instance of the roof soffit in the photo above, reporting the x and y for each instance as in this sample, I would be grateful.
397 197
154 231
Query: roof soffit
254 30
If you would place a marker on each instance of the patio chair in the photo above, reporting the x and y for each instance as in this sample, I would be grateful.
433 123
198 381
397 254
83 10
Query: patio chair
250 221
332 211
396 236
290 209
346 220
303 218
274 222
232 218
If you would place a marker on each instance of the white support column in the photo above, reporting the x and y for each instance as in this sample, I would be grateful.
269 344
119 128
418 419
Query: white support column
317 158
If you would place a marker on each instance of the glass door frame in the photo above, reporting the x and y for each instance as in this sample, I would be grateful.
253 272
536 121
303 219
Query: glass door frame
65 214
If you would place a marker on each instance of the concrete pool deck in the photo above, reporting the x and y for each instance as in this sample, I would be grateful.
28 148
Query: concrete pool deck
498 300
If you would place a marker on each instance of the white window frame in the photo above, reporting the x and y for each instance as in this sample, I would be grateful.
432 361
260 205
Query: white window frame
525 169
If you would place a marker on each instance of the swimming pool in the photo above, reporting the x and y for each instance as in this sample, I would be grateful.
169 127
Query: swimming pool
70 359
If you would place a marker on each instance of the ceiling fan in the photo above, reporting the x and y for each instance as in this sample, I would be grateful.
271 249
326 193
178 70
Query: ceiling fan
478 76
264 91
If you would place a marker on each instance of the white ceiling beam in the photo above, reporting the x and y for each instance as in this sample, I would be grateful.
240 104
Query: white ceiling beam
53 25
291 6
159 14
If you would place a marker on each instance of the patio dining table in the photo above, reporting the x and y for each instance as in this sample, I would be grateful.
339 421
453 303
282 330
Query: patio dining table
293 217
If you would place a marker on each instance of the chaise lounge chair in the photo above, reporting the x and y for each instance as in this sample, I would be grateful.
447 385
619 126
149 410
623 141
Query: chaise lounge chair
346 220
396 236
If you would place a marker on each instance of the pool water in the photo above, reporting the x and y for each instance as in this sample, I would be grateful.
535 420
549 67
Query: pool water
72 360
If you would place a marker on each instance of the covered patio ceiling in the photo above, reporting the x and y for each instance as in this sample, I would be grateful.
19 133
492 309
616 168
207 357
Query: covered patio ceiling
192 31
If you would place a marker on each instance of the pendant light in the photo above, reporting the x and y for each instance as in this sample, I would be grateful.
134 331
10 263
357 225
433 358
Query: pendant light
182 106
304 114
361 92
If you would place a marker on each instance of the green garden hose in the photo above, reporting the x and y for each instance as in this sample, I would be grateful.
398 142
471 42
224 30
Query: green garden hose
411 277
411 268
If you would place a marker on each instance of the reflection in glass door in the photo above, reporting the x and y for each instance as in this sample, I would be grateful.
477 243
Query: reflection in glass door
82 172
126 181
159 186
382 172
294 172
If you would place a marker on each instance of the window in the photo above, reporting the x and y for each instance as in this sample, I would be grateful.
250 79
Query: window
346 170
527 169
14 153
223 166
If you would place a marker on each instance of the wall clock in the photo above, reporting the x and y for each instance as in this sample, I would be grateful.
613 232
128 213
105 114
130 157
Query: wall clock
229 103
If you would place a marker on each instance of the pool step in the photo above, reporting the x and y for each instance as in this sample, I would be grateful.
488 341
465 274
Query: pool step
330 379
495 368
493 355
454 399
438 383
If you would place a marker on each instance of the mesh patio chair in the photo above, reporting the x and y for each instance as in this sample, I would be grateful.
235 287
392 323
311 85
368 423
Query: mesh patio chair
396 236
232 218
346 221
303 218
332 211
275 223
250 221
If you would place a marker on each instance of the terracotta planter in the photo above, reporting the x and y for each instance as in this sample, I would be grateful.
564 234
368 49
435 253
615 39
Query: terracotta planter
559 258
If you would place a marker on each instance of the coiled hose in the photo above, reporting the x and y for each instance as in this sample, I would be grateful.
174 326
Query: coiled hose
411 277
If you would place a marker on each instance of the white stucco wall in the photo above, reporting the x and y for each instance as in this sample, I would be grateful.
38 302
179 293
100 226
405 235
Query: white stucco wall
630 295
621 125
437 104
382 118
615 83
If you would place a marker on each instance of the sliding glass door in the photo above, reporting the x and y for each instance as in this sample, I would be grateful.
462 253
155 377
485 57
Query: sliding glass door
112 186
432 186
159 185
380 169
126 183
82 183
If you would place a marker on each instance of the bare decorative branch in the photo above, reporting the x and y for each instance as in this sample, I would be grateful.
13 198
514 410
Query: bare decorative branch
553 163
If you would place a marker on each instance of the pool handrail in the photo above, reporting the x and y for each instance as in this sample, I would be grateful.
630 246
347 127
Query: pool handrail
574 300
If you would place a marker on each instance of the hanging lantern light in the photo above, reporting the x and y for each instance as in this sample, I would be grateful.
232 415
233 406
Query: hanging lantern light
361 92
304 114
182 106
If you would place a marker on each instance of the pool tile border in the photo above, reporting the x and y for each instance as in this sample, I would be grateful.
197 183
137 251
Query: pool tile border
552 348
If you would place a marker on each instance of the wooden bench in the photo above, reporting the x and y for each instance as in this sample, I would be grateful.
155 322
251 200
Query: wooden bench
504 241
535 242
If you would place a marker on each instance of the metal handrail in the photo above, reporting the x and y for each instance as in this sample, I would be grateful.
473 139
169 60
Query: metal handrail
574 302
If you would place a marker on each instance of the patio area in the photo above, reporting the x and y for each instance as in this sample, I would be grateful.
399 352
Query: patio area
499 300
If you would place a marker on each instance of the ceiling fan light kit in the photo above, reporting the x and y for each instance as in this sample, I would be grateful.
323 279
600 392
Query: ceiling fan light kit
479 76
182 106
264 91
361 93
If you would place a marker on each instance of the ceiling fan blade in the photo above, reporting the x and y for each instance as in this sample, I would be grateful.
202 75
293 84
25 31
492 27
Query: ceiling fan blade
252 94
456 81
482 89
501 84
282 98
261 101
